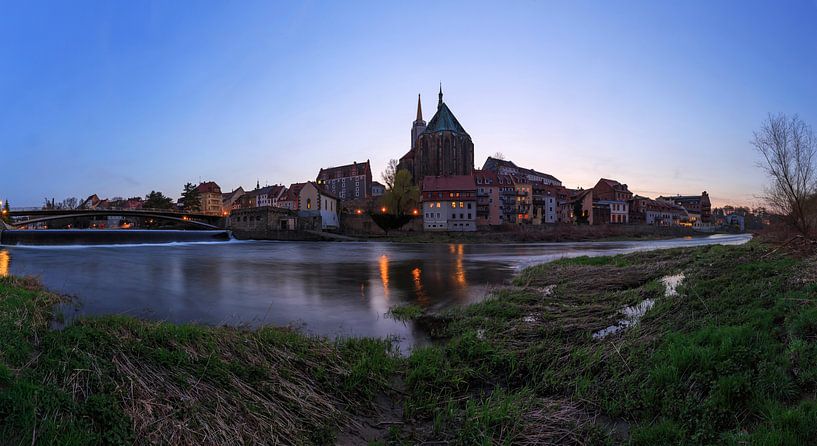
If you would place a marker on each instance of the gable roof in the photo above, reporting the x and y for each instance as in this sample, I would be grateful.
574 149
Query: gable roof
209 187
444 121
614 184
321 189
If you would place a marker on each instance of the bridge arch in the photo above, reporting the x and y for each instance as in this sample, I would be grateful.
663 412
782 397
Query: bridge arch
113 213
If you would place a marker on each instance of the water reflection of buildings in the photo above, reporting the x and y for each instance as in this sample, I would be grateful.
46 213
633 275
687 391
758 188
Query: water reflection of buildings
5 260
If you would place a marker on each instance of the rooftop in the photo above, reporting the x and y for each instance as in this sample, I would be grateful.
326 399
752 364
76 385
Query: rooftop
447 183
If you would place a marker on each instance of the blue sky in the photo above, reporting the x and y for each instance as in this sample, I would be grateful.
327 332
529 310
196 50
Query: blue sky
119 98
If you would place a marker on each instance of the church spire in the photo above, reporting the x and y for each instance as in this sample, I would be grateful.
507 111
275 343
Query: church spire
419 110
441 96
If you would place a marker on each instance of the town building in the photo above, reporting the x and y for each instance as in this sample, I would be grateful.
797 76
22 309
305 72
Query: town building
489 203
442 148
349 182
210 198
291 200
449 203
524 199
576 207
544 207
229 200
261 221
378 190
317 203
644 210
611 190
506 167
610 211
698 207
537 192
269 195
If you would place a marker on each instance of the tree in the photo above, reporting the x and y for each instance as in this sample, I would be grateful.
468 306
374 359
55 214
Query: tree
389 173
402 196
499 156
69 203
191 199
157 200
788 146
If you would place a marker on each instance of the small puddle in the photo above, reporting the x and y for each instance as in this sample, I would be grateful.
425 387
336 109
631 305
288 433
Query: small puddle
634 313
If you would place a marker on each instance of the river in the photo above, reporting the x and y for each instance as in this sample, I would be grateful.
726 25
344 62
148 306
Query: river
324 288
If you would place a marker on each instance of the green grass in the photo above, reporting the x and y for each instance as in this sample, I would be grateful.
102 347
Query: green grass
731 360
406 312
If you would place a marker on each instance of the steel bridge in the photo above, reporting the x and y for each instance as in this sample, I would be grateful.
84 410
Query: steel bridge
204 221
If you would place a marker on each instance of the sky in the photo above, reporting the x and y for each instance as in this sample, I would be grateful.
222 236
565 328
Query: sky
119 98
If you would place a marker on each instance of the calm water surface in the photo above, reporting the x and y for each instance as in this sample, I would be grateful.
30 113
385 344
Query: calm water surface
331 289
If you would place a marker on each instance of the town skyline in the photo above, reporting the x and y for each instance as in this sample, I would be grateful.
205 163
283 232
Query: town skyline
121 118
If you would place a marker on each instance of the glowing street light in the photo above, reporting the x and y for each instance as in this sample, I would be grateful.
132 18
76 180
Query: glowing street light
383 209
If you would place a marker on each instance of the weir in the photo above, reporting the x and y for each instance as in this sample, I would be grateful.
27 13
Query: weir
105 236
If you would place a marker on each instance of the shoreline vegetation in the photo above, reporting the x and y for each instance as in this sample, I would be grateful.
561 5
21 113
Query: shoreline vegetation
728 355
544 234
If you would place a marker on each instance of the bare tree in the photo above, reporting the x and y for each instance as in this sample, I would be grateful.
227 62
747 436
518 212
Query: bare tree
69 203
499 156
789 150
389 173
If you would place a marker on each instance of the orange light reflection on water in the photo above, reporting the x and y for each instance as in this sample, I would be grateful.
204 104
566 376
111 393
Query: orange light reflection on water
383 262
459 269
422 296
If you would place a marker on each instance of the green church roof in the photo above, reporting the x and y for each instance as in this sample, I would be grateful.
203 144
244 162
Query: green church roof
444 120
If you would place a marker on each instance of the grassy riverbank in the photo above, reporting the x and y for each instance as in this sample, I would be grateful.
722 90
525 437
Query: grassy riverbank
730 359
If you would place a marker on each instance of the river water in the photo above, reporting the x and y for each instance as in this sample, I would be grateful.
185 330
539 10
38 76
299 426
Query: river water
324 288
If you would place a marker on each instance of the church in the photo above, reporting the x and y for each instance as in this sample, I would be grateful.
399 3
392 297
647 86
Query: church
440 148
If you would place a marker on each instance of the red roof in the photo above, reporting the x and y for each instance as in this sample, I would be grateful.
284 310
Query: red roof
486 176
294 191
449 183
349 170
210 187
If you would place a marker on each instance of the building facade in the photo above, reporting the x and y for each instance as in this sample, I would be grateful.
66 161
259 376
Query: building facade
349 182
210 198
489 203
449 203
314 201
698 207
611 190
229 200
610 212
269 195
378 190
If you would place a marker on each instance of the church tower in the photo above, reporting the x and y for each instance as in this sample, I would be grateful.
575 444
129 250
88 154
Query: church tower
440 148
419 125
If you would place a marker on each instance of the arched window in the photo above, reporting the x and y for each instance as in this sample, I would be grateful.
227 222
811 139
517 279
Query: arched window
309 203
